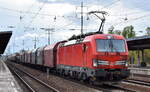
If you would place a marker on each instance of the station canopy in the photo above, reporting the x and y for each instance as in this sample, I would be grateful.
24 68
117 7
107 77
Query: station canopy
4 39
138 43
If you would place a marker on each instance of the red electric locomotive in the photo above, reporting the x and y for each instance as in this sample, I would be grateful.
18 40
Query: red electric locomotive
91 56
101 57
95 57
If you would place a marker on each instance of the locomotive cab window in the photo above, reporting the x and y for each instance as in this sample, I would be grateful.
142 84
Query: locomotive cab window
110 45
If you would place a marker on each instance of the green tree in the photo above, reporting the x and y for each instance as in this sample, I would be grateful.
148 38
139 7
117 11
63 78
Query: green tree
147 31
128 32
147 51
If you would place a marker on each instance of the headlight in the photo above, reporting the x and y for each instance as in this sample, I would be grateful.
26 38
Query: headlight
126 64
120 63
95 63
99 62
103 62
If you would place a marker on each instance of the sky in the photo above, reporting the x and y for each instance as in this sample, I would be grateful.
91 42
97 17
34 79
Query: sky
28 18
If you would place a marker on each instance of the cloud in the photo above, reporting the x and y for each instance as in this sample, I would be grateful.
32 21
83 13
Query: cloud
54 0
58 8
31 36
137 4
120 16
64 11
17 4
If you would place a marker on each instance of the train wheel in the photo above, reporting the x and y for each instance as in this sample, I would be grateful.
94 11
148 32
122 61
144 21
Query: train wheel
63 73
83 77
92 80
73 75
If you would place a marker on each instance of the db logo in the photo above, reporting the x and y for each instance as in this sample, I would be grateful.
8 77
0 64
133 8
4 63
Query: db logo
111 63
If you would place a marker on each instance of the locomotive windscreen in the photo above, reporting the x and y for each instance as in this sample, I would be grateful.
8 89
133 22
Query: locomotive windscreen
110 45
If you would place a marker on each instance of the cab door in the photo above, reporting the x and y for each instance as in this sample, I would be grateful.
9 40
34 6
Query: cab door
84 54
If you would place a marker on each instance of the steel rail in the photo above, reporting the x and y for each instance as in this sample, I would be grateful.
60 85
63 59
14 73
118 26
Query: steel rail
38 80
23 81
140 82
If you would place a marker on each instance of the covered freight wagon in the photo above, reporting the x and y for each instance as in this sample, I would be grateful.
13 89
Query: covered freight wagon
40 56
33 55
50 55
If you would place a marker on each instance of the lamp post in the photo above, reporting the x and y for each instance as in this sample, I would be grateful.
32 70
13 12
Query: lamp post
13 44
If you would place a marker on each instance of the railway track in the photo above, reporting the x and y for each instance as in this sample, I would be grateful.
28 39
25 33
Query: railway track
140 82
119 88
32 83
103 88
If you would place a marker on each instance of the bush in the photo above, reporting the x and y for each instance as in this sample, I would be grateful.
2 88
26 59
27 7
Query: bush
143 64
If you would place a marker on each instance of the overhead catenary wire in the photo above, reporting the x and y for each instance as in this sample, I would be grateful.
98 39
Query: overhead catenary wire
27 12
30 12
42 14
126 20
40 8
106 6
129 14
67 25
134 19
